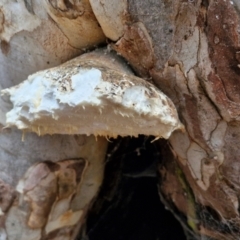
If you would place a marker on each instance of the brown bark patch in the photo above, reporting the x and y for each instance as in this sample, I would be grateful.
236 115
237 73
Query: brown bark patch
136 47
171 186
5 47
193 122
221 98
158 18
223 37
44 186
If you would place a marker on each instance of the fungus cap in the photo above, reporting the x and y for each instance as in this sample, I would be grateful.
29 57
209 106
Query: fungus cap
91 95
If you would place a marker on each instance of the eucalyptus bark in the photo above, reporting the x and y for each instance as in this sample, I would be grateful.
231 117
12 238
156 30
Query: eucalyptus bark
47 183
189 49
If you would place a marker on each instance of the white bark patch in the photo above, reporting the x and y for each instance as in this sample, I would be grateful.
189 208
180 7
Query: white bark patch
111 15
208 169
67 219
207 114
195 155
204 62
17 228
1 212
200 166
16 18
189 51
3 234
186 38
85 98
76 21
218 135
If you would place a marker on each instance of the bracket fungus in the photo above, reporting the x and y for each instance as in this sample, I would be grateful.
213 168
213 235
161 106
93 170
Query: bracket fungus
91 95
94 94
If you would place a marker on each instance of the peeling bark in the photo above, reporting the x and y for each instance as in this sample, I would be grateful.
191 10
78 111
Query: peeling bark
52 199
194 60
188 49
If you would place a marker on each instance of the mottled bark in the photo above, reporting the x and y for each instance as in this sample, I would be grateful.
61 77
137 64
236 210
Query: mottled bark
188 49
47 183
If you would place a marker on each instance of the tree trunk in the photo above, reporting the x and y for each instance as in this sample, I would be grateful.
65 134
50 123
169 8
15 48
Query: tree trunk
190 50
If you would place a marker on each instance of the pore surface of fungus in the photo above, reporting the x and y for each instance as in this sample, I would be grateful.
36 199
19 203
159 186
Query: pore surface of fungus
91 95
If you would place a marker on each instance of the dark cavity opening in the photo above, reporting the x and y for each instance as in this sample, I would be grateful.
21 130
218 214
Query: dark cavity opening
128 206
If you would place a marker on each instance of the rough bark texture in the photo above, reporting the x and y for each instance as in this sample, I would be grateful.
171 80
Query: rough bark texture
47 183
188 49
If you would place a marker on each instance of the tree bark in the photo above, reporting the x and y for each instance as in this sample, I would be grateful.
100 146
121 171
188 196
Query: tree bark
43 192
189 49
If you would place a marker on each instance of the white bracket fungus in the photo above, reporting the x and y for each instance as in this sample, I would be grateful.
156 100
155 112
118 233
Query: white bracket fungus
91 94
96 94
